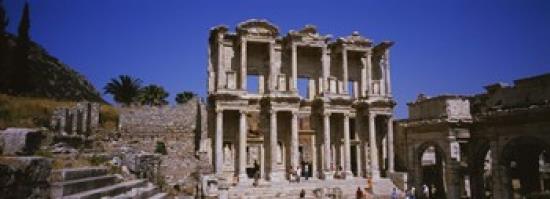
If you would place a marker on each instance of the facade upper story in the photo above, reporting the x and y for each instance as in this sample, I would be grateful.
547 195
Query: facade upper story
255 61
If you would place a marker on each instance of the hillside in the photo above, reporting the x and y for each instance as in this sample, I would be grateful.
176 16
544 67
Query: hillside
49 77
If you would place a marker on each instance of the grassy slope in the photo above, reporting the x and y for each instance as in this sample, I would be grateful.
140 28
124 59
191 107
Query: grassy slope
36 112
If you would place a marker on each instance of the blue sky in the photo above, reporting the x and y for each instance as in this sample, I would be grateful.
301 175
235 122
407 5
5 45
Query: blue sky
442 46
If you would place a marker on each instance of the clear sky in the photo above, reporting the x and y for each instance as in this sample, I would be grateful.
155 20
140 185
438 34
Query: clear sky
442 46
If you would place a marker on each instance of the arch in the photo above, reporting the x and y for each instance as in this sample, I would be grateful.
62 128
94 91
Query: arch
480 175
431 175
520 157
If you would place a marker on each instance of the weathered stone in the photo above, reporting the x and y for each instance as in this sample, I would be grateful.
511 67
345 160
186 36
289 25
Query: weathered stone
20 141
24 177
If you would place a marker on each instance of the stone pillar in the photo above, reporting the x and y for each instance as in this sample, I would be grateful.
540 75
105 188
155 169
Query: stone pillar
381 64
242 146
388 82
363 81
391 154
324 61
221 69
218 164
243 64
369 73
274 172
273 73
347 153
294 82
294 141
373 148
345 70
326 145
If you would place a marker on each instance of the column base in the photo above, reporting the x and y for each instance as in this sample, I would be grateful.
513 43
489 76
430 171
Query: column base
327 175
348 175
277 176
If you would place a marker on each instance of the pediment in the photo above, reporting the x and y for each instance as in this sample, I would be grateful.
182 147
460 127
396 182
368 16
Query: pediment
257 27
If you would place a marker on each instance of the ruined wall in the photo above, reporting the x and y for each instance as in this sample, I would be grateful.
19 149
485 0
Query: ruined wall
450 107
524 92
181 128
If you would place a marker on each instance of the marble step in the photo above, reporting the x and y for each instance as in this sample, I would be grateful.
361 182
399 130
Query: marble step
69 187
77 173
112 190
137 193
159 196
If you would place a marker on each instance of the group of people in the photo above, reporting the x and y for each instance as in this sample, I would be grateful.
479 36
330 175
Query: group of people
424 194
294 175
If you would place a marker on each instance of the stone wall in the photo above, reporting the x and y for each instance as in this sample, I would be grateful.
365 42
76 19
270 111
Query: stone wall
181 128
444 106
79 120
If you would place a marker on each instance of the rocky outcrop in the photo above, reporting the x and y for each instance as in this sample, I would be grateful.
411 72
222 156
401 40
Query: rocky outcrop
24 177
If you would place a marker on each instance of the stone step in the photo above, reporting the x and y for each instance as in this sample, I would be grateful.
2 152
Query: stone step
137 193
159 196
109 190
69 187
77 173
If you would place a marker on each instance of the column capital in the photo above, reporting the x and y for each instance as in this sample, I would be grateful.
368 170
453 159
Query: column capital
243 111
327 114
219 110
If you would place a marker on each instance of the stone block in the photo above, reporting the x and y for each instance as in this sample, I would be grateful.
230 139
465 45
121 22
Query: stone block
24 177
20 141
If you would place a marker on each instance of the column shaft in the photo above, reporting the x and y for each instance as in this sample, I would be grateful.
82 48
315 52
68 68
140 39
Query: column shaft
219 142
388 82
347 153
391 153
326 142
345 70
325 85
243 64
294 66
242 145
273 144
369 73
373 147
294 142
363 83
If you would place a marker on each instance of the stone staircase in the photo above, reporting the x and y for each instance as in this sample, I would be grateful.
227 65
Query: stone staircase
382 189
95 183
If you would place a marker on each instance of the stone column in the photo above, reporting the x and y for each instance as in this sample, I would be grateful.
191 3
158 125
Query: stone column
294 141
391 154
347 153
218 162
275 174
221 69
243 64
388 82
326 71
345 70
242 146
373 148
369 73
272 82
294 66
381 64
363 83
326 145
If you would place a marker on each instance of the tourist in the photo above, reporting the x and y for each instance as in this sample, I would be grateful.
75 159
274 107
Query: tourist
359 193
425 191
303 193
306 171
394 193
298 173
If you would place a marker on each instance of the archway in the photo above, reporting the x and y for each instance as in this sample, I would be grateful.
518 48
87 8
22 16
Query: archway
526 162
481 184
431 165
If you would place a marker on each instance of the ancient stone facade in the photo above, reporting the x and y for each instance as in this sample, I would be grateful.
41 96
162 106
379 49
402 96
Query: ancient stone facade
491 145
75 121
300 99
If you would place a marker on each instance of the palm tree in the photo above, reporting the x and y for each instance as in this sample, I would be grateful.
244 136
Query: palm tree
184 96
153 95
125 89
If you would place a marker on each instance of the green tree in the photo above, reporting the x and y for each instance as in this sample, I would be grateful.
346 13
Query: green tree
153 95
125 89
4 71
21 83
3 19
183 97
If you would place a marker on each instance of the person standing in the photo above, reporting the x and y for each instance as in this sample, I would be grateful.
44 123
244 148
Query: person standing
359 193
394 193
306 171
